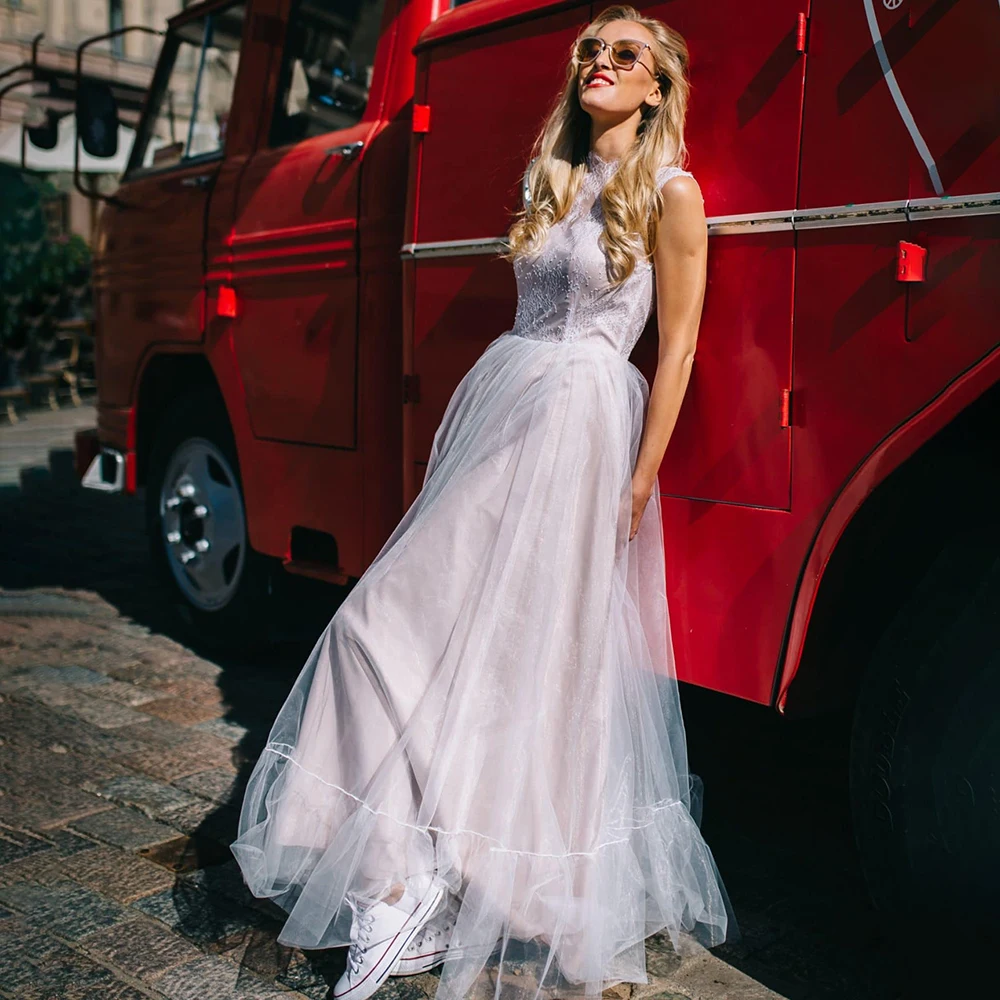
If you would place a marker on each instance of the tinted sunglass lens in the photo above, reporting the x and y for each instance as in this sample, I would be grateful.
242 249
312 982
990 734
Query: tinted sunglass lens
625 53
588 49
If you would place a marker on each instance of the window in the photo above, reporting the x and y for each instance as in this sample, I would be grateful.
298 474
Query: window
192 92
327 70
116 20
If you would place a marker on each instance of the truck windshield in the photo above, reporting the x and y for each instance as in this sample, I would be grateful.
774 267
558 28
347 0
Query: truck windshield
192 91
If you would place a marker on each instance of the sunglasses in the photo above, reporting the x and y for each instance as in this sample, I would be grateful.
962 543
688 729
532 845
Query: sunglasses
624 53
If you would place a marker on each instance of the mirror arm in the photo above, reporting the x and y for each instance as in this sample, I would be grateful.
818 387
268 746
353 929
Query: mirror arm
20 67
26 65
77 183
12 86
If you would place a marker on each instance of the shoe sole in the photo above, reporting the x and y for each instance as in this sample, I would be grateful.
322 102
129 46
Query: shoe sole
396 946
424 963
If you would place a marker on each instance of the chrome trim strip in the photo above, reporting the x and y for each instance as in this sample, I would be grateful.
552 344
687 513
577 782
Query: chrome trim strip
867 214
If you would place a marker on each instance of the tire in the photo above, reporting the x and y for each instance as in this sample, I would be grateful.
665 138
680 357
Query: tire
196 527
925 755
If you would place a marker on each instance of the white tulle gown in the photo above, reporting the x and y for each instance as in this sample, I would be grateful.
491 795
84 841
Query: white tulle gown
495 701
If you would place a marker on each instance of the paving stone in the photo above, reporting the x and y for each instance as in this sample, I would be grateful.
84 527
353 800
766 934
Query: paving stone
51 695
210 819
216 977
205 976
404 989
22 948
153 732
183 712
15 845
105 714
202 690
68 843
231 732
175 762
225 880
217 784
122 876
151 796
20 934
61 805
124 827
124 693
303 977
73 976
209 921
31 768
144 948
66 674
68 909
41 602
35 725
44 868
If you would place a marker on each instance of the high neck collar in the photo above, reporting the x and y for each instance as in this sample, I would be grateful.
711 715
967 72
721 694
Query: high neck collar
597 164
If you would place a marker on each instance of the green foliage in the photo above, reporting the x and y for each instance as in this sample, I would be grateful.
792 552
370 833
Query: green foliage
41 278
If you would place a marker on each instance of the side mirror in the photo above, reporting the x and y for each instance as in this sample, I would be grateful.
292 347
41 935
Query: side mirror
44 135
97 118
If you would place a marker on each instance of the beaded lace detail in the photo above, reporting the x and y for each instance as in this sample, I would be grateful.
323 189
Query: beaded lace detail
564 291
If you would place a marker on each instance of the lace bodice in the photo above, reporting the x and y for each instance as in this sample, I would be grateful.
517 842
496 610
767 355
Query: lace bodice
563 289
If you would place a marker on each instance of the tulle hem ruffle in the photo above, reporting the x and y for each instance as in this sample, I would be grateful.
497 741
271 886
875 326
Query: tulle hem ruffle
495 702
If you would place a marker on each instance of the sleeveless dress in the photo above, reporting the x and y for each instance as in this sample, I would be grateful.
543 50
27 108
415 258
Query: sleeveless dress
495 700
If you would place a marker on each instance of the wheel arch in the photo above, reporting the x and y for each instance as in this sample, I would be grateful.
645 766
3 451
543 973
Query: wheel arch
883 529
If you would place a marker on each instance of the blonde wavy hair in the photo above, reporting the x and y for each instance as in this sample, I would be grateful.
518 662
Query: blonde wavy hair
631 200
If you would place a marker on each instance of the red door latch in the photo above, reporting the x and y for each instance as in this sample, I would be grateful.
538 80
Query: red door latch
911 262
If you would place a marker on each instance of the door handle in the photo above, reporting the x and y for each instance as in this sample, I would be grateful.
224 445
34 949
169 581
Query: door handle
347 149
197 181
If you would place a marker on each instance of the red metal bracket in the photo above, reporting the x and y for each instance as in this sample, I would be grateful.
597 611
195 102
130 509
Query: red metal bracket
421 118
911 262
800 33
227 302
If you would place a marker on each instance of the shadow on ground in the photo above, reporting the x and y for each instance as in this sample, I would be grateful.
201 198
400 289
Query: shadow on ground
775 807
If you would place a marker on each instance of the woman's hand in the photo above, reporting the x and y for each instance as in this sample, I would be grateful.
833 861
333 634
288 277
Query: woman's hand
642 490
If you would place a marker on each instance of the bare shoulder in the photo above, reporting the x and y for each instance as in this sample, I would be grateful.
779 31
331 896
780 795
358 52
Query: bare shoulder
682 225
680 189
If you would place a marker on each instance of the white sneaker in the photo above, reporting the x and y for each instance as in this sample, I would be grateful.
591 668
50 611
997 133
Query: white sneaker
429 946
380 932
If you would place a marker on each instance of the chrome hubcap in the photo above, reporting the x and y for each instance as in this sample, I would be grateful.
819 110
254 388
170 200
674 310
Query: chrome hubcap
201 511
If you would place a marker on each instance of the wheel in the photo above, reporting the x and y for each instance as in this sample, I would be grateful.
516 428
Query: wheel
196 526
925 754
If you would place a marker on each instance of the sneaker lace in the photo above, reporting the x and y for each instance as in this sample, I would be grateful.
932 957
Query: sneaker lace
361 928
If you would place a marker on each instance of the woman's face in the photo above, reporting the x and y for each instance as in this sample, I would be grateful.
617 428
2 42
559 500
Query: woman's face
609 93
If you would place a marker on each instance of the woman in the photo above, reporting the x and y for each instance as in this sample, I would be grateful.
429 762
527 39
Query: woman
482 765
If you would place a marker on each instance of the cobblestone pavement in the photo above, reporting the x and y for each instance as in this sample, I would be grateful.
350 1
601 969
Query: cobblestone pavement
123 754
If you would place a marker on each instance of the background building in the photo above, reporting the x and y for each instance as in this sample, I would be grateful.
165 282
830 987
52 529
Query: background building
126 62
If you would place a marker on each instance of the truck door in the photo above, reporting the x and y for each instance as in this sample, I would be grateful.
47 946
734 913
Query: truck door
291 269
731 443
151 278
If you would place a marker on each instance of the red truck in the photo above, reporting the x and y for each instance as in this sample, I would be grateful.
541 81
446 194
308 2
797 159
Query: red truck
300 264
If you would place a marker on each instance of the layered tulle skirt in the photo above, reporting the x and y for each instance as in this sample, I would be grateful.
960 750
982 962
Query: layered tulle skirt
495 701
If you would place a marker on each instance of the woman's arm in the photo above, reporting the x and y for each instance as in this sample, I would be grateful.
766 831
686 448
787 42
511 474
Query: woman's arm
680 267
